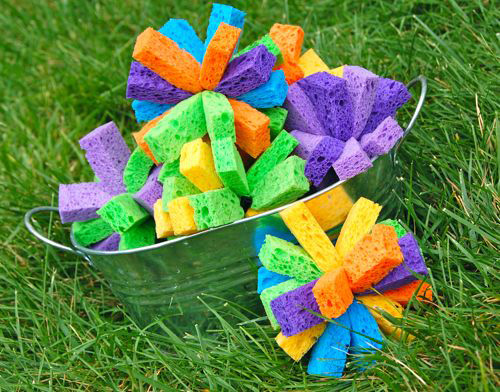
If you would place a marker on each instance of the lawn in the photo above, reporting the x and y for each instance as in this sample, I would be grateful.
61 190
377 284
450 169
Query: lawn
63 72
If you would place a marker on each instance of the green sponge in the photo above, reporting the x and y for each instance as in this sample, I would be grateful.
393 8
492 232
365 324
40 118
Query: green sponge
277 117
274 292
174 187
122 213
400 230
269 44
169 170
219 116
138 236
137 170
279 149
229 166
285 183
215 208
285 258
184 122
91 231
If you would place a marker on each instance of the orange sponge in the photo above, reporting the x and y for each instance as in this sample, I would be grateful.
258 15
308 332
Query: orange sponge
217 56
372 258
139 135
331 208
403 294
252 128
289 39
292 71
163 56
332 293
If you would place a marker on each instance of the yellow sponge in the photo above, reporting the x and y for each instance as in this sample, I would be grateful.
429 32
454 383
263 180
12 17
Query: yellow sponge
251 212
313 239
339 71
182 216
359 222
297 345
197 165
163 223
311 63
331 208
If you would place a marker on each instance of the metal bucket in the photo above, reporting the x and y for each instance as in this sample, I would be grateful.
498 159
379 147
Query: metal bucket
180 279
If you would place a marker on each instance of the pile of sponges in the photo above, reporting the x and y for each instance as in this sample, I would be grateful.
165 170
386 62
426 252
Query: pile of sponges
332 298
257 127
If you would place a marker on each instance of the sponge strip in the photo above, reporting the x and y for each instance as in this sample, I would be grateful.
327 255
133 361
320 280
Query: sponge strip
180 31
147 110
277 117
273 292
332 293
383 138
108 244
150 192
122 213
421 290
289 39
91 231
137 170
229 166
270 94
219 116
170 170
176 186
311 63
182 216
352 161
301 113
298 345
331 208
223 13
269 44
163 56
266 279
139 136
138 236
163 223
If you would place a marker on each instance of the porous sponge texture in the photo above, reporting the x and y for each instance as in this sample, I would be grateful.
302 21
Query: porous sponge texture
215 208
169 170
182 216
311 63
297 346
180 31
217 55
163 56
122 213
163 222
313 239
285 183
359 222
289 39
138 236
372 258
270 94
403 294
197 165
400 230
269 44
91 231
274 292
147 110
229 166
332 293
137 170
285 258
277 117
174 187
219 116
139 136
292 71
331 208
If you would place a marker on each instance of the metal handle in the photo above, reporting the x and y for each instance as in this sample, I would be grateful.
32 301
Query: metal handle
28 217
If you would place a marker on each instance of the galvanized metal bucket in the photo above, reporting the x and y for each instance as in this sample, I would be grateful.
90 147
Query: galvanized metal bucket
180 279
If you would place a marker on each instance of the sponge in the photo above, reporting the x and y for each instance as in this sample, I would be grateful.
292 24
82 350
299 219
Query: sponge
352 161
313 239
280 148
252 128
270 94
277 117
297 346
383 138
138 236
400 230
137 170
174 187
311 63
332 293
420 289
293 72
169 170
180 31
217 55
163 223
285 183
285 258
150 192
108 244
223 13
360 220
301 113
182 216
197 165
273 292
269 44
215 208
148 110
185 122
91 231
122 213
163 56
266 279
330 209
229 166
219 116
139 136
289 39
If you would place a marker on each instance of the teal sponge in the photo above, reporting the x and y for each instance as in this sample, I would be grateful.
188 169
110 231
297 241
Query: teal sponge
184 122
277 117
400 230
138 236
285 258
174 187
284 184
269 44
280 148
274 292
219 116
169 170
122 213
137 170
91 231
215 208
229 166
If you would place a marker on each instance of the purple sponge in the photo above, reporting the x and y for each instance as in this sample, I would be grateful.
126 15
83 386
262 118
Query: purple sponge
332 103
352 161
391 95
151 191
79 202
146 85
247 72
292 310
107 154
301 113
382 139
110 243
362 86
319 152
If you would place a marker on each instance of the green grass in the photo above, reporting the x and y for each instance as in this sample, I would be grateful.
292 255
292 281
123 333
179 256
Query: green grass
63 72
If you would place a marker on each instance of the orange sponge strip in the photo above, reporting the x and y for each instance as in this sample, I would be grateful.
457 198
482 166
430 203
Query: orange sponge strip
182 216
164 57
332 293
404 293
298 345
289 39
372 258
217 56
139 135
331 208
252 128
292 71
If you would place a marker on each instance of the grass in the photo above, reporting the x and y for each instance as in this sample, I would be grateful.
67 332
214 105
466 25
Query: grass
63 72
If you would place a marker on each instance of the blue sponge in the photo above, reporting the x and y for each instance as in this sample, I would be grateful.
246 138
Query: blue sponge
147 110
266 279
270 94
330 351
227 14
180 31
